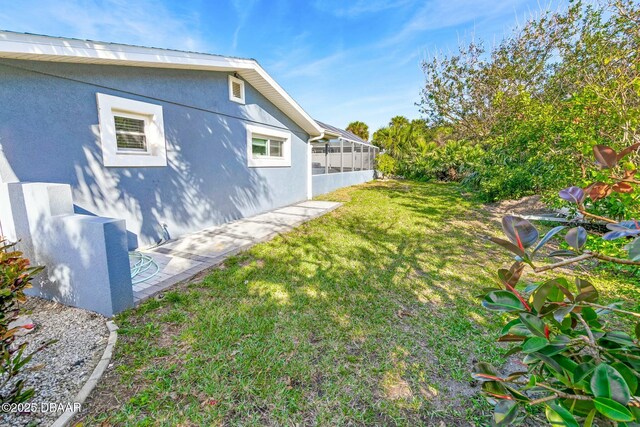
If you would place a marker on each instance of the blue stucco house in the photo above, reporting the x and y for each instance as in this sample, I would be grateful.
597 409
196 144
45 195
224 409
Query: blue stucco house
169 142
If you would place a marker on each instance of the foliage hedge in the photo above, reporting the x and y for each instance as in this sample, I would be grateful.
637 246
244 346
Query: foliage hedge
523 117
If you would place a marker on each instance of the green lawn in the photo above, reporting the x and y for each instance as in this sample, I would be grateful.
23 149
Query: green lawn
365 316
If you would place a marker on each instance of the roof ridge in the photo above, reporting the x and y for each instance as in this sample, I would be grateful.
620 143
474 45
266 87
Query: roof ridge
127 45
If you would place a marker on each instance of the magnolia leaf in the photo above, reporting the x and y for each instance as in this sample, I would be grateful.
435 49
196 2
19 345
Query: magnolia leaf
515 375
612 409
587 292
512 351
547 291
605 156
511 338
549 308
548 236
519 231
622 187
582 371
512 276
551 290
508 326
588 422
608 383
622 229
549 362
598 190
628 150
486 368
533 324
534 344
505 412
495 389
507 245
562 253
560 416
502 301
576 237
628 375
562 312
573 194
633 250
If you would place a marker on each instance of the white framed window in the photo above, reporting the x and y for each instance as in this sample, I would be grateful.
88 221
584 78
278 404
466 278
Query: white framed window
236 90
131 132
267 147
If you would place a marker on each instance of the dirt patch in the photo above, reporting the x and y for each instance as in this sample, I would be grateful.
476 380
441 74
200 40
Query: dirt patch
531 205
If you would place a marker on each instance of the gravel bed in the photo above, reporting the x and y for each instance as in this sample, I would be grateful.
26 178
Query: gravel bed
59 371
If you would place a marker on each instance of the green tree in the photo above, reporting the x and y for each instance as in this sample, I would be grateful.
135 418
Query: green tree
360 129
538 102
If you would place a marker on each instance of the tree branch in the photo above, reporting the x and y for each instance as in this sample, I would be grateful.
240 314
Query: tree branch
617 310
563 263
583 257
594 216
614 259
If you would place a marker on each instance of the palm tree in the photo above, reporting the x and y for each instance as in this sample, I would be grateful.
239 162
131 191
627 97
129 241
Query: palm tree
360 129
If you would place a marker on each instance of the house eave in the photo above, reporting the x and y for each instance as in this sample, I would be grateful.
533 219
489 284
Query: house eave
56 49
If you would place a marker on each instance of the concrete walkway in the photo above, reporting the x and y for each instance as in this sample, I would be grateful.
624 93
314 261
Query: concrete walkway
182 258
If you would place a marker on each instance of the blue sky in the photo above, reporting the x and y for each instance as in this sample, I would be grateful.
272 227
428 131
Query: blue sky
341 60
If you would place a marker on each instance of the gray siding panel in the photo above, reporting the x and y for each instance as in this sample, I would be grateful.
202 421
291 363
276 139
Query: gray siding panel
49 128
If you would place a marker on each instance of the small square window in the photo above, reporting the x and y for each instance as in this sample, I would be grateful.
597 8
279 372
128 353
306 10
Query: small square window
259 147
268 147
275 148
130 134
236 90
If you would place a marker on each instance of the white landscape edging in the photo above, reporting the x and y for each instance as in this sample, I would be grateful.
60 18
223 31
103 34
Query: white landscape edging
91 383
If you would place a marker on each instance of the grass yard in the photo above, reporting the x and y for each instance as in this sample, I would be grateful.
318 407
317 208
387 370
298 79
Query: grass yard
366 316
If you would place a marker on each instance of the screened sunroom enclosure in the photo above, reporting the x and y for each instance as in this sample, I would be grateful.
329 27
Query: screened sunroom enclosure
340 155
340 159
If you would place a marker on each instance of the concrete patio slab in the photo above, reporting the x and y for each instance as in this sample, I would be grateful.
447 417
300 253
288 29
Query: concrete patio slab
318 204
181 259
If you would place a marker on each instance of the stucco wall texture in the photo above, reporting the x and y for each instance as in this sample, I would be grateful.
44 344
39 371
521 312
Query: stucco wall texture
49 133
328 182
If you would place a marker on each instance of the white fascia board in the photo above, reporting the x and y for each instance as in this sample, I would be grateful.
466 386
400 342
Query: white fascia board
57 49
52 48
315 129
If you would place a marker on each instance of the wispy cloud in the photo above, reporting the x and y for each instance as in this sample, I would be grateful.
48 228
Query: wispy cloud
243 9
359 7
439 14
316 67
145 22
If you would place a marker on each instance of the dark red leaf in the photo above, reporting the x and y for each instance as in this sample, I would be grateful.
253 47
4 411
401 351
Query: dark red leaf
605 156
598 190
628 150
622 187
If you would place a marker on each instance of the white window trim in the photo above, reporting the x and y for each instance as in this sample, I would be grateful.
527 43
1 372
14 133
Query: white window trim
265 161
156 153
233 80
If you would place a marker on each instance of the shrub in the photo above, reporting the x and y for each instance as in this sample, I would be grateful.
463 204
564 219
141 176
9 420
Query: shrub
580 365
537 101
15 276
386 165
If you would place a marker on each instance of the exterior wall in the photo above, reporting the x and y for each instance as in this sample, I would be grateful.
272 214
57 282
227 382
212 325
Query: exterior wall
85 257
326 183
49 133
